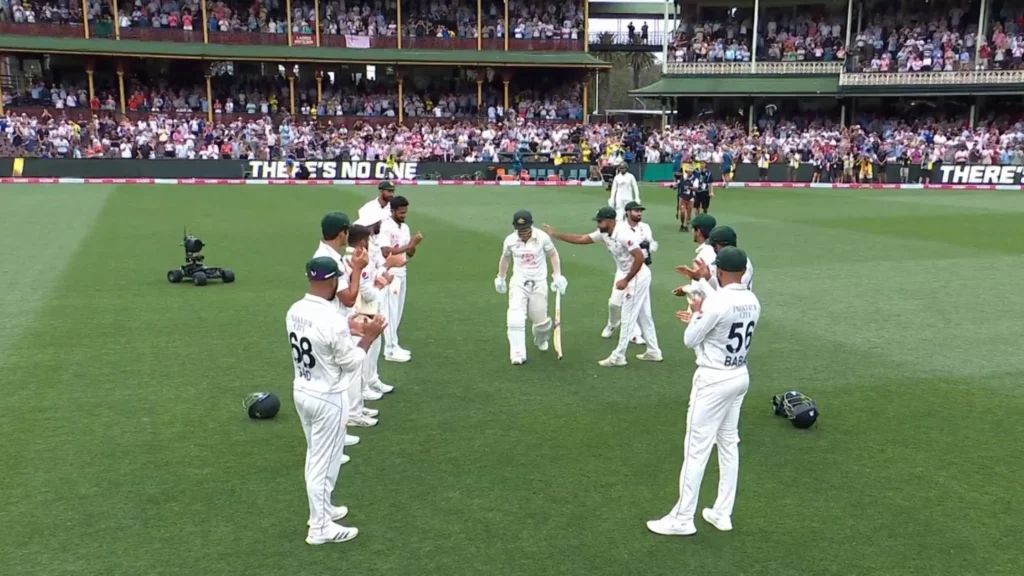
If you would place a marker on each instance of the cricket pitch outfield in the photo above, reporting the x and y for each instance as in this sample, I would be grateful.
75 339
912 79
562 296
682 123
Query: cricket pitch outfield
125 450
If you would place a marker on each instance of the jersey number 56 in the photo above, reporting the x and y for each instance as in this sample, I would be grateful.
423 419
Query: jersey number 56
742 335
302 354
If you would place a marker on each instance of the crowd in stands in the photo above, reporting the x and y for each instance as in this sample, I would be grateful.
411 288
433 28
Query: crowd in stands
36 12
810 139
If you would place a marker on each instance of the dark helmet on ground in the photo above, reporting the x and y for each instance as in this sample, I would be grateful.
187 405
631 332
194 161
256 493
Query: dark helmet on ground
800 409
261 405
522 220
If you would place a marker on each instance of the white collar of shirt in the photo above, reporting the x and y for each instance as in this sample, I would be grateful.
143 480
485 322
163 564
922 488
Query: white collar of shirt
316 300
331 250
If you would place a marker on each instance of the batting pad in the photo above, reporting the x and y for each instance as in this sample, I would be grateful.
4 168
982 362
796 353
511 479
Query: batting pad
516 335
542 331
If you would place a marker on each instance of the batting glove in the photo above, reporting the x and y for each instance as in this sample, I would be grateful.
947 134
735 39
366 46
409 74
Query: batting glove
500 286
559 284
654 246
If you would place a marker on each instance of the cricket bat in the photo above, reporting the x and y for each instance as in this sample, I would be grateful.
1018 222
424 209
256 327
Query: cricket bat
558 325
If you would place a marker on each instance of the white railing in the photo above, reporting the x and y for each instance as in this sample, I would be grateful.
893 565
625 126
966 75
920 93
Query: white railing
726 68
932 78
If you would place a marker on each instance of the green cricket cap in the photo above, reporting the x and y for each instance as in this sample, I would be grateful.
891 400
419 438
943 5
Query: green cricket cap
722 235
522 220
322 268
333 224
704 222
634 205
385 185
605 213
731 259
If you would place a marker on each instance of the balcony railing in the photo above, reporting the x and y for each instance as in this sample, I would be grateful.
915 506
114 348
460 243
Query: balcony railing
544 45
280 38
726 68
340 41
610 39
55 30
434 43
932 78
164 35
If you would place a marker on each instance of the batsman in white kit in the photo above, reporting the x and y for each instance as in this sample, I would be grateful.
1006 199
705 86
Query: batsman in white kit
648 245
720 330
326 363
624 190
526 249
632 277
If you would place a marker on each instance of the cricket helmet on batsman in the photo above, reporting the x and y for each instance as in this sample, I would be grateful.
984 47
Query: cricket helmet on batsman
261 405
522 220
622 167
801 410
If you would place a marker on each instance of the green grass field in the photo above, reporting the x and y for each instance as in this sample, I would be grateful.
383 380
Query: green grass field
124 449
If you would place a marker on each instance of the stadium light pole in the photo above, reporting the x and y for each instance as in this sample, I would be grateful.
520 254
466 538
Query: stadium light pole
753 43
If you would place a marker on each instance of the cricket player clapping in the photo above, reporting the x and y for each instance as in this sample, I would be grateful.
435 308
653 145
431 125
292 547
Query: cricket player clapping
527 291
624 190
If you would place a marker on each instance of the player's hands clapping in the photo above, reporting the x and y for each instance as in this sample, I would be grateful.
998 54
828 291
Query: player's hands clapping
417 239
394 261
374 327
360 259
559 284
699 270
500 286
695 307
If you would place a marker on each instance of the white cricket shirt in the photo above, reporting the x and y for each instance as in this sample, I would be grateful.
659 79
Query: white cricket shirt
624 190
747 280
367 289
373 211
529 260
345 268
644 232
621 242
323 353
395 235
722 331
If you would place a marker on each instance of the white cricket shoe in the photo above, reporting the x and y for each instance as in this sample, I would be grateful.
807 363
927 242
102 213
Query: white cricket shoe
608 331
371 412
648 357
370 394
669 526
518 361
541 343
396 356
360 421
351 440
345 459
638 339
401 351
337 513
720 521
333 533
612 361
382 388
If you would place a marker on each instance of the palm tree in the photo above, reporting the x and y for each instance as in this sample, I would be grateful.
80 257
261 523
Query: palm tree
638 62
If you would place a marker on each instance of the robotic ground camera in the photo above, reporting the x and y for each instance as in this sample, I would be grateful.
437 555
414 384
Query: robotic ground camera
194 267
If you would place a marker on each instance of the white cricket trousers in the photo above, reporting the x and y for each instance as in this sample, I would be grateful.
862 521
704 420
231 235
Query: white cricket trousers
712 418
526 299
636 311
395 300
323 418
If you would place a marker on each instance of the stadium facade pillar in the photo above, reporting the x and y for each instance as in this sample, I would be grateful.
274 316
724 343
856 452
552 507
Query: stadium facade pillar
750 118
480 109
479 25
288 21
974 107
85 18
401 100
399 8
89 75
586 99
586 27
206 22
291 91
982 13
319 87
505 82
849 25
209 98
753 42
842 116
664 39
1 98
597 92
860 16
506 22
120 88
316 21
117 20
